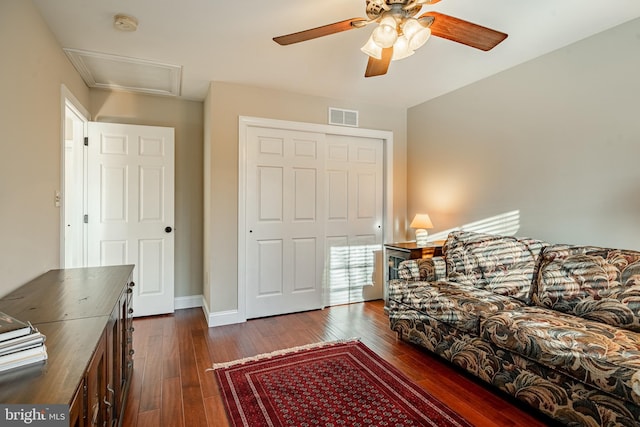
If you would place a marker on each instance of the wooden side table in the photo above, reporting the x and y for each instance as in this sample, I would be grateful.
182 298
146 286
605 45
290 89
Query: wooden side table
395 253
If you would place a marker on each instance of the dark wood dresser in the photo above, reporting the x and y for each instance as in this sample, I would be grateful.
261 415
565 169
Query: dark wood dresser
86 316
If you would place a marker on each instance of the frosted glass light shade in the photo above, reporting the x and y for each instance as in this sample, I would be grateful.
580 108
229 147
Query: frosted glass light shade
372 49
386 34
401 49
416 33
390 21
410 27
420 38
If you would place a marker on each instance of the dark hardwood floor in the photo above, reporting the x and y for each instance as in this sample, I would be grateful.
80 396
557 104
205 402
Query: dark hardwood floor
172 387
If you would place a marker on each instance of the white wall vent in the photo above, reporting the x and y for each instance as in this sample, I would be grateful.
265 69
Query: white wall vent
338 116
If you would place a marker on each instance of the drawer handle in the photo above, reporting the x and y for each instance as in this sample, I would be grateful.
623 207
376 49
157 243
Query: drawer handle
132 284
94 418
131 352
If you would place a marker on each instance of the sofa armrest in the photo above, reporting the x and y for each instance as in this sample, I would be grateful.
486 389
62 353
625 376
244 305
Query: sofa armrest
423 270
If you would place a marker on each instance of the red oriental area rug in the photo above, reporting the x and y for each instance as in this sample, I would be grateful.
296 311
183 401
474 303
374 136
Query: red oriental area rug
327 384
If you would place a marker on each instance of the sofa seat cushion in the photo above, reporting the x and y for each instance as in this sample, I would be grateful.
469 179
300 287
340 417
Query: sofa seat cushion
502 264
590 282
559 396
597 354
461 306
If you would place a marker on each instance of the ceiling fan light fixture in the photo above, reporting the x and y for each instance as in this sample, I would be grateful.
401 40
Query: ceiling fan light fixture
386 34
400 30
416 33
372 49
411 26
401 49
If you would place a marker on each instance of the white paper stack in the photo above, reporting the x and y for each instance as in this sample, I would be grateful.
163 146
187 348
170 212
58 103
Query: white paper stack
20 343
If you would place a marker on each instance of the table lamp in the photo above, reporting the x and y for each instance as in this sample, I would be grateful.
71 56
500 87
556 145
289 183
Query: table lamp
421 222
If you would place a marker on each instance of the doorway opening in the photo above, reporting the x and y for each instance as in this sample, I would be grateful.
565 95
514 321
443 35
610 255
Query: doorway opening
73 251
117 201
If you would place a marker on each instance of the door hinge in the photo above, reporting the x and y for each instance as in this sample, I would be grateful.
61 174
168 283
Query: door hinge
86 219
86 141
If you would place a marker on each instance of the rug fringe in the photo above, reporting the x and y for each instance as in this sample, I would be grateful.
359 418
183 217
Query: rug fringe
280 353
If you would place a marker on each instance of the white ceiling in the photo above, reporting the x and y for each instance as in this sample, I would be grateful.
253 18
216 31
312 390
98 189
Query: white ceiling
231 41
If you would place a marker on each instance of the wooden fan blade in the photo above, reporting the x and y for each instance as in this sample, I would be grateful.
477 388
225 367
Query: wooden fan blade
314 33
464 32
379 67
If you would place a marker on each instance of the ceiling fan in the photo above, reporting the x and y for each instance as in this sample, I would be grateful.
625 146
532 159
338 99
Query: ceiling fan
400 31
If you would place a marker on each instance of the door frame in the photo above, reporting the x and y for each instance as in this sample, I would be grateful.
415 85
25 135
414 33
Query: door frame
68 100
244 122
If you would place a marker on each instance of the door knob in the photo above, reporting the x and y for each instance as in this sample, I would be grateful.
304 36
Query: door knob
168 229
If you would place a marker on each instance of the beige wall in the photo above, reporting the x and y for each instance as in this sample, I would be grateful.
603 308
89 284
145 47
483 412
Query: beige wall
32 72
557 138
225 103
186 117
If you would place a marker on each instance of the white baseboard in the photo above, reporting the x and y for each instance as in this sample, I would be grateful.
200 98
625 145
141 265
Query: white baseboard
191 301
221 318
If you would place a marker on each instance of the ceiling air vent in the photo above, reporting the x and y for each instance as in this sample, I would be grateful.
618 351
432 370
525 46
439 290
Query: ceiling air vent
338 116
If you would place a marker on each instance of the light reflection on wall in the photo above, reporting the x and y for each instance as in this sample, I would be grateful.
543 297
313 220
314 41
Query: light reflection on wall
506 224
445 194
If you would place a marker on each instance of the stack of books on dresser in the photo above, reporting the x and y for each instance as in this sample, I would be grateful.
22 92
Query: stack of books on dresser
20 343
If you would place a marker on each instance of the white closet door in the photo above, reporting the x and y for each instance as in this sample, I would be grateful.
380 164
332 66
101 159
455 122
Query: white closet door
285 229
354 215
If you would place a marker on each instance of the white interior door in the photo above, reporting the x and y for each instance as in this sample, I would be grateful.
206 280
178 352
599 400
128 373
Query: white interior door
131 208
74 195
285 202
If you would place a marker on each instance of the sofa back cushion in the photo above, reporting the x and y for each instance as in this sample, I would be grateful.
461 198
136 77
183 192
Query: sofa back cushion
591 282
504 265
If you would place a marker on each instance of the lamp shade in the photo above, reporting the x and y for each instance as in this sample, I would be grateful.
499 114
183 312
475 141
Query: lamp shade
421 221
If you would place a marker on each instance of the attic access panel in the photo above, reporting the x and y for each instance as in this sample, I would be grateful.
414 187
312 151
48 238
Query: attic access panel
105 71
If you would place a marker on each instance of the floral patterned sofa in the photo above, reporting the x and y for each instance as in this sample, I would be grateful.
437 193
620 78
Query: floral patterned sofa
556 326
